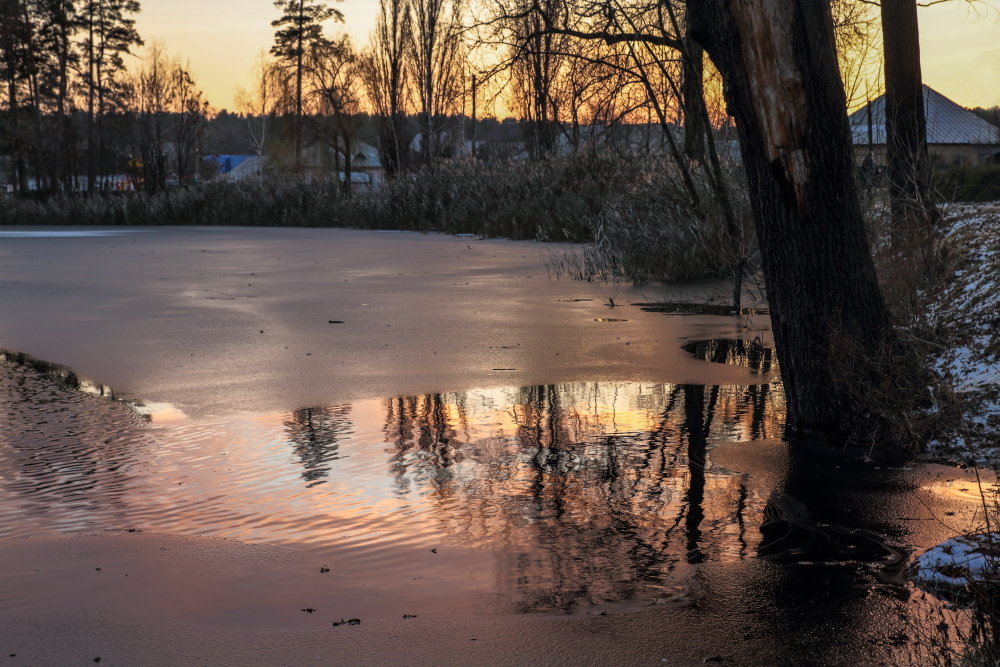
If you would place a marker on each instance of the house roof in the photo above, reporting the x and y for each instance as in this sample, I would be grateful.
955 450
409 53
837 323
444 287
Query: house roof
363 156
253 165
226 163
947 122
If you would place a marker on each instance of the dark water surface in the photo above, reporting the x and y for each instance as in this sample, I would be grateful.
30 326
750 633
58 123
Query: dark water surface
567 497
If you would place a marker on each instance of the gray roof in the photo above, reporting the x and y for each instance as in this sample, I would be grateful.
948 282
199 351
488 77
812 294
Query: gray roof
947 122
365 156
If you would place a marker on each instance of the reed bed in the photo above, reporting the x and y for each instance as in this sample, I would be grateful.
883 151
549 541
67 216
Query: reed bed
628 212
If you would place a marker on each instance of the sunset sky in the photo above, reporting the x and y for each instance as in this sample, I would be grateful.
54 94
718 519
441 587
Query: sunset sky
221 39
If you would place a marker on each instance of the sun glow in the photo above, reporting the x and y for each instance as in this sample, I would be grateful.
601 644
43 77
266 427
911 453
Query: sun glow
221 40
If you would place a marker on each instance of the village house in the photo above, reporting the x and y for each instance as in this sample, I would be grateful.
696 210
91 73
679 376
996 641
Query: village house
955 135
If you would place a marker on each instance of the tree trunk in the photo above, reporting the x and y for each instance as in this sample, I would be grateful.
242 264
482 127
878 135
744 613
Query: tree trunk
300 52
693 99
782 85
91 96
66 162
347 159
913 209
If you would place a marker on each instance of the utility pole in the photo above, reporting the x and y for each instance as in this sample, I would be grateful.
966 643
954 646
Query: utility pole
870 137
474 115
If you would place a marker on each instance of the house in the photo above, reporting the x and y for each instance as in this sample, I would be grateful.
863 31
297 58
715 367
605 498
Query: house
322 161
225 164
233 168
955 135
366 162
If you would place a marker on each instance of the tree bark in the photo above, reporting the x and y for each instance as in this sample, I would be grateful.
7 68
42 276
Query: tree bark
693 99
91 97
782 85
913 210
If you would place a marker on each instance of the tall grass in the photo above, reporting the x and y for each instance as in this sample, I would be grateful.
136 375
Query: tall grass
630 212
551 200
655 234
264 202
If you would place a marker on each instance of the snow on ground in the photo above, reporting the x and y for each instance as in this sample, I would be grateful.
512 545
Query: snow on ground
948 569
968 314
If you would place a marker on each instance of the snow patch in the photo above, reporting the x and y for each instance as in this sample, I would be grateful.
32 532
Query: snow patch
949 569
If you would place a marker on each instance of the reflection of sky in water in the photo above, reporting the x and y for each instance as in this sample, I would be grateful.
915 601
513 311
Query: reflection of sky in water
583 491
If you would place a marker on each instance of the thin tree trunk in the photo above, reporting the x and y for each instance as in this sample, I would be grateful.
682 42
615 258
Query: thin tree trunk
91 96
347 160
698 137
20 176
779 67
913 210
298 90
68 147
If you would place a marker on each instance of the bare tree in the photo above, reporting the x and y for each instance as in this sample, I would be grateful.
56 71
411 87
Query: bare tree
334 85
386 79
536 58
258 104
189 116
436 70
169 115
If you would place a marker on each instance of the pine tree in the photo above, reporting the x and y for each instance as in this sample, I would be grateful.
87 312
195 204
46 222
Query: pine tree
108 34
299 28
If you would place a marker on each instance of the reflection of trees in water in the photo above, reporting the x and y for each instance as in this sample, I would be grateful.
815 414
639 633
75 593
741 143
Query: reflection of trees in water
315 435
735 352
422 432
592 491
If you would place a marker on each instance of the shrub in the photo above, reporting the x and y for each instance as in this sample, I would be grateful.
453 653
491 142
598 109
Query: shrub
968 184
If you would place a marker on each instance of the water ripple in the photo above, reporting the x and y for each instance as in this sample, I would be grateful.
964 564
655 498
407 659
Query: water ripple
607 485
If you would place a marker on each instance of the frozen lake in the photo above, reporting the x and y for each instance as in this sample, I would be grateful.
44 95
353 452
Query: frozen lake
428 434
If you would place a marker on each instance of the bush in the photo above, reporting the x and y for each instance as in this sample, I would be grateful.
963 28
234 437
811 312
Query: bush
968 184
655 234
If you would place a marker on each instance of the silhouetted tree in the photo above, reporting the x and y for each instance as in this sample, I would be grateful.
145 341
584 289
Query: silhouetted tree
16 63
334 83
779 67
109 34
299 28
386 78
169 119
436 69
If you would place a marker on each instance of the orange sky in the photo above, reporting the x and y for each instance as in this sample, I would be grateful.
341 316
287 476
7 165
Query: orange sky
221 39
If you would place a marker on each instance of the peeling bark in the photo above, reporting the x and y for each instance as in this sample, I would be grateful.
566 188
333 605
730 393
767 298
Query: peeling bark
782 85
779 105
